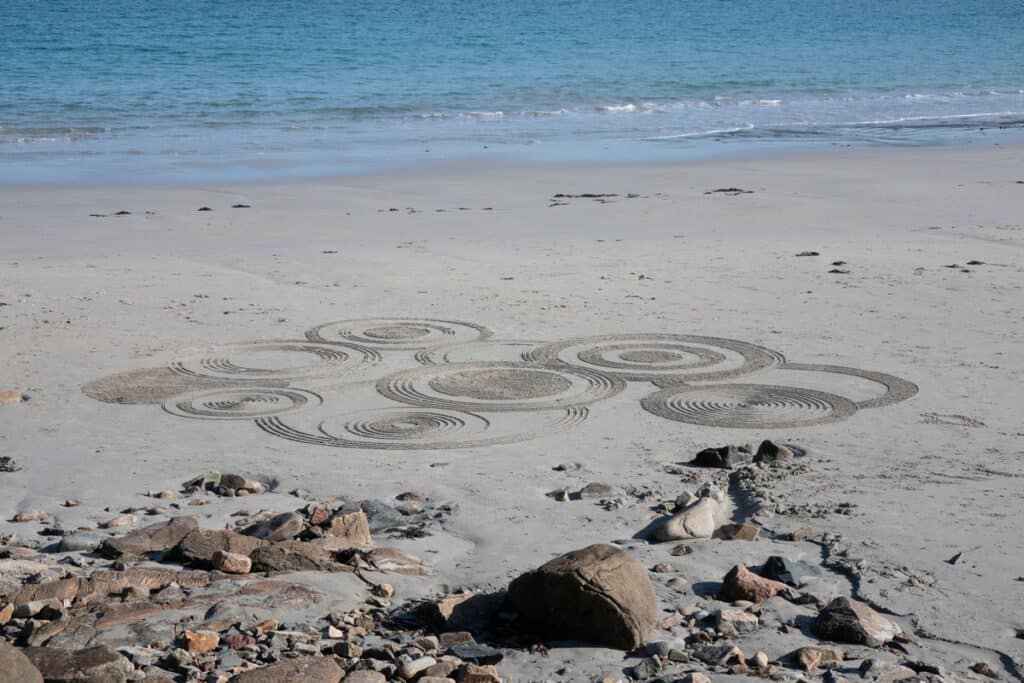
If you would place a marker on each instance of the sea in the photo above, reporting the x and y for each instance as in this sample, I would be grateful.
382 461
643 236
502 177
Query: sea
195 90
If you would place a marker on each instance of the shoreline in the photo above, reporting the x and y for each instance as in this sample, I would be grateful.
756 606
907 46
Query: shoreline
563 153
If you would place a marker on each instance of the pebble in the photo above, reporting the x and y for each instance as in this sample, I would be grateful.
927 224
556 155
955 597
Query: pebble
117 522
30 516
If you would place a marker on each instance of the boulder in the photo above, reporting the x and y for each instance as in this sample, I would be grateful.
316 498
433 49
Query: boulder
16 667
199 546
845 620
283 527
770 453
303 670
811 657
236 482
696 520
725 457
596 594
742 584
291 556
361 676
92 665
153 539
353 527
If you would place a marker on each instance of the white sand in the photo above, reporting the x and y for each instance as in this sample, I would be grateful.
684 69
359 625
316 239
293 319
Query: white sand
931 476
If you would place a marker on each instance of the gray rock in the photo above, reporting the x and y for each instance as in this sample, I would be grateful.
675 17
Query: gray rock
80 541
283 527
793 572
770 453
303 670
154 539
93 665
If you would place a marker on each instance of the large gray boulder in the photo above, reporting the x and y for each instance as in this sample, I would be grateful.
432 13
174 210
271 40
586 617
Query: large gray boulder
304 670
846 620
597 594
153 539
93 665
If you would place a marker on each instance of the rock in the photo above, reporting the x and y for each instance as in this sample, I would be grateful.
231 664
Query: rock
236 482
561 495
473 673
663 568
305 670
478 654
848 621
441 670
409 670
695 677
200 545
596 594
771 453
725 457
380 515
153 539
92 665
363 676
6 612
291 556
739 532
231 563
882 672
435 679
792 572
721 654
453 638
283 527
198 642
802 534
118 522
759 662
16 667
742 584
596 489
385 559
384 590
353 527
811 657
30 516
462 612
698 520
80 541
983 668
10 397
735 620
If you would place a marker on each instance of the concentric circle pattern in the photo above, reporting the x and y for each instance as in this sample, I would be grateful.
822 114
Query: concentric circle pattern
661 358
467 383
243 403
498 387
416 429
398 333
748 406
279 360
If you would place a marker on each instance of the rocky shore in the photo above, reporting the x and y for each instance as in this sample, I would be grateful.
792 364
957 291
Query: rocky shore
130 599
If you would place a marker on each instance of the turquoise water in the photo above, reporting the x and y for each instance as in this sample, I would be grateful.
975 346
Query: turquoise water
106 88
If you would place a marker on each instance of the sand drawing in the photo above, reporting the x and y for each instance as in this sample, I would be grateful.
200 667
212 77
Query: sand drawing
451 384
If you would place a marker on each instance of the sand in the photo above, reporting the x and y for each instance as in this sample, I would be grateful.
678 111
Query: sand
306 340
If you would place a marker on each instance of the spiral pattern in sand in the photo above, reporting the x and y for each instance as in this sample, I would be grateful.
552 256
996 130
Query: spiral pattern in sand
896 389
279 360
661 358
416 429
498 387
405 334
243 403
748 406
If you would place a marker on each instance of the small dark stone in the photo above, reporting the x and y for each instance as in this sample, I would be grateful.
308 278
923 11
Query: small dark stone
240 206
808 253
478 654
204 208
725 457
793 572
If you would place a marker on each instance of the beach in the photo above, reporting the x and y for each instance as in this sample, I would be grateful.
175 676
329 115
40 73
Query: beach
488 334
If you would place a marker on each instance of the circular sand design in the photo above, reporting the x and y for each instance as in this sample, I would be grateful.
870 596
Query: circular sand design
896 389
278 360
398 333
418 429
489 387
153 386
489 351
665 359
501 384
243 403
748 406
